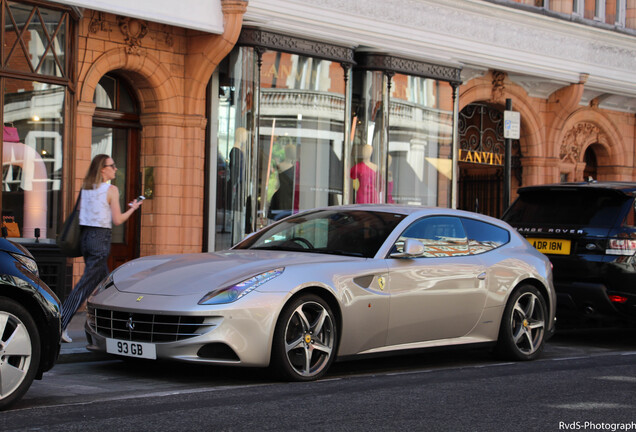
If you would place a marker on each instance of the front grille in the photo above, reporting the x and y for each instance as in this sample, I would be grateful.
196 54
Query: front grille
140 327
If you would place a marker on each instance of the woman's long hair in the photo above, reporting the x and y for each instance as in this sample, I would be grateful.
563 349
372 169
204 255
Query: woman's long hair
94 175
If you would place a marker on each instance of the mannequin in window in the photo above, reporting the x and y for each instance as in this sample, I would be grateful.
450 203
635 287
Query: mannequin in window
237 173
364 175
286 197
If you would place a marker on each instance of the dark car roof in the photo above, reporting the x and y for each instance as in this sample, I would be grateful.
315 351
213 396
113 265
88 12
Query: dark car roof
627 188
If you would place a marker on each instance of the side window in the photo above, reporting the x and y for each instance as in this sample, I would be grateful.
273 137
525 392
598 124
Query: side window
442 236
484 237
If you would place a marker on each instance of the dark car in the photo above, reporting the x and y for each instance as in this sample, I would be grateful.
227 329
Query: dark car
589 233
29 323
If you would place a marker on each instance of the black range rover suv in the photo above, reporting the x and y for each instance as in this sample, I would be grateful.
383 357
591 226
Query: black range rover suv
588 230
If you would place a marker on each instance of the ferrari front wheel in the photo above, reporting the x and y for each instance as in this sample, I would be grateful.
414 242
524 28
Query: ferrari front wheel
305 339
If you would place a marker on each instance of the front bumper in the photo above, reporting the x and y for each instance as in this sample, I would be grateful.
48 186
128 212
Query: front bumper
238 333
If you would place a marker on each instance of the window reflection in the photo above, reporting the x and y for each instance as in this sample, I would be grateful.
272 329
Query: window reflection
235 115
301 134
32 156
420 141
366 129
441 236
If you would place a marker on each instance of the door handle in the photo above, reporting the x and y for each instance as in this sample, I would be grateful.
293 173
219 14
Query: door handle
482 276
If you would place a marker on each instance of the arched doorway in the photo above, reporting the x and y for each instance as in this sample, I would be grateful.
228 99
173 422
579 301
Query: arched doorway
590 171
482 158
116 132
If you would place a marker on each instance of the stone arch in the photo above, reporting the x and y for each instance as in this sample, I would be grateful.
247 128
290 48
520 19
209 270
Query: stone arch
484 90
586 128
493 88
151 79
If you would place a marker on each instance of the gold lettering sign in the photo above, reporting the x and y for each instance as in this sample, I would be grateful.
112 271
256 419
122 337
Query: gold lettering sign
480 157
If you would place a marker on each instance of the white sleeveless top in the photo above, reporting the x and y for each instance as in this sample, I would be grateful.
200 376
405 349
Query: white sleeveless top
94 208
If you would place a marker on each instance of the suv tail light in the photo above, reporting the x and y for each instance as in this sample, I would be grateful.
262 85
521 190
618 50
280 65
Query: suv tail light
621 247
618 299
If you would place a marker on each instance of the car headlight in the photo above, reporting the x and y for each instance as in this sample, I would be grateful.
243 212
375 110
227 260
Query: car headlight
103 285
235 292
29 263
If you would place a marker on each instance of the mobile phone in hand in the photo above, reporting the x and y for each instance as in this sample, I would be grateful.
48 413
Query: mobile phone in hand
140 198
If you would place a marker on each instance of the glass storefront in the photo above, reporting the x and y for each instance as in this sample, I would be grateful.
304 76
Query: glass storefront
234 147
34 75
32 157
369 137
419 163
301 134
299 131
293 160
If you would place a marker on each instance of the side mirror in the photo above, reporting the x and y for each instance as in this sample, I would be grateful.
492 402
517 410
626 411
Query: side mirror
412 248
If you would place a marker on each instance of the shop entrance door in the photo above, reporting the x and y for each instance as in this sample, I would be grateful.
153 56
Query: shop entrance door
125 244
481 160
116 133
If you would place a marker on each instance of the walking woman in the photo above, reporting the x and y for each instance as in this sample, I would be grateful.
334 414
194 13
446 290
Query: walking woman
99 210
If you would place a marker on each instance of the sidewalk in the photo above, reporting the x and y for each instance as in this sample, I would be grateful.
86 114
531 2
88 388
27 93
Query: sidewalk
76 351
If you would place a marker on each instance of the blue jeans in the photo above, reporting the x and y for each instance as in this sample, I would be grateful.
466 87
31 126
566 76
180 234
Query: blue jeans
95 249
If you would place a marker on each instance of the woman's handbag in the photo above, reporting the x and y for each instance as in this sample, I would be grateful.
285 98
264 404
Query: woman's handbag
69 239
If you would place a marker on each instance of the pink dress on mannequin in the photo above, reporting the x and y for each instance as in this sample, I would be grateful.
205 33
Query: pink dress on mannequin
366 176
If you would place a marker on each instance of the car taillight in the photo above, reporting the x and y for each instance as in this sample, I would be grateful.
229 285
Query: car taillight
617 299
621 247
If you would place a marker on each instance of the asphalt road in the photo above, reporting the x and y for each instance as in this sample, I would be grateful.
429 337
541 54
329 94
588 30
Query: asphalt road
585 381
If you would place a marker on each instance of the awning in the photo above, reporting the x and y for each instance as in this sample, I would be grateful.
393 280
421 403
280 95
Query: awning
201 15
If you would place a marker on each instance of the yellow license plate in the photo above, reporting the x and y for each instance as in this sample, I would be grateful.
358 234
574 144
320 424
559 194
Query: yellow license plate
551 246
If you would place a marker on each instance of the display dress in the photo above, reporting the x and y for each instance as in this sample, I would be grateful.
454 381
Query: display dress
367 177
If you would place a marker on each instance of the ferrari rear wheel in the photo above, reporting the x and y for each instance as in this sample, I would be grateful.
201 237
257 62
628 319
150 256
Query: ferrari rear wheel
305 339
19 351
523 325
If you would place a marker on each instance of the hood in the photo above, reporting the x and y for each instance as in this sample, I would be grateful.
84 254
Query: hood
174 275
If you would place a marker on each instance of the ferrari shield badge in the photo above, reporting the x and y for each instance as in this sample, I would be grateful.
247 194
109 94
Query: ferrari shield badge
381 282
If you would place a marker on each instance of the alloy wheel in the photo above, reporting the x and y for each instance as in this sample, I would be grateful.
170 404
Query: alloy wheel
15 353
309 339
527 323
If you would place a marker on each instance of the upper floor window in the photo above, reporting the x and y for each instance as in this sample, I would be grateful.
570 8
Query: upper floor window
578 7
35 39
599 10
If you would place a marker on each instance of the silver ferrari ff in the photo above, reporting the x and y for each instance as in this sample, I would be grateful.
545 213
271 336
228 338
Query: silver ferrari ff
331 283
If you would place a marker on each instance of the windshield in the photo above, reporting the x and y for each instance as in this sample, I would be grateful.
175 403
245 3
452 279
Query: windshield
351 232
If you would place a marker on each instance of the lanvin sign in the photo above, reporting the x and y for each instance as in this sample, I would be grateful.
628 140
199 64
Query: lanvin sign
481 157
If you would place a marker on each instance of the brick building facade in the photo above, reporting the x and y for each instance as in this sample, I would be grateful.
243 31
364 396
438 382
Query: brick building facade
213 125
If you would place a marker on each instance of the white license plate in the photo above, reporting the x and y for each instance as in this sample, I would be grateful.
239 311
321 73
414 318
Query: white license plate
131 349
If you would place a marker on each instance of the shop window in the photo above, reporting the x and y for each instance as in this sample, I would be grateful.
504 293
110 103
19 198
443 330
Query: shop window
420 141
298 159
301 134
368 132
235 109
34 75
32 156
